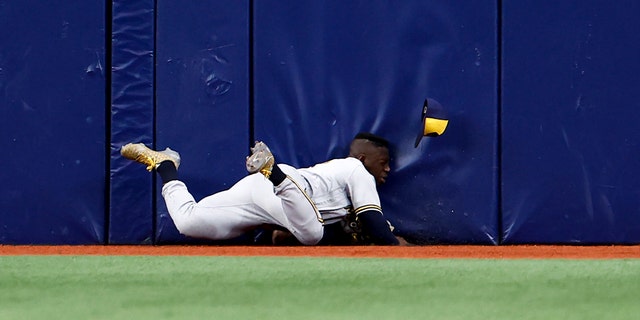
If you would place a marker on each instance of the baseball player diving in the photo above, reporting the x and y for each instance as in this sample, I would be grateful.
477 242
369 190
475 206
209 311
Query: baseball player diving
316 205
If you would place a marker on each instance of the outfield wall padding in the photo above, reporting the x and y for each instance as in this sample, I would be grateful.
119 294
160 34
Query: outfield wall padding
131 208
542 146
570 137
202 90
52 128
325 70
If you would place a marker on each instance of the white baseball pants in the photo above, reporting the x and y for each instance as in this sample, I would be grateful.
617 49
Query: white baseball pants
250 203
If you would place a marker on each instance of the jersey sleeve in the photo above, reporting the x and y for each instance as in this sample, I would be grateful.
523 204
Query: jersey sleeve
366 204
362 191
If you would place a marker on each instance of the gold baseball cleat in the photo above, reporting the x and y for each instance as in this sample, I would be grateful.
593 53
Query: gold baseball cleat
140 153
261 159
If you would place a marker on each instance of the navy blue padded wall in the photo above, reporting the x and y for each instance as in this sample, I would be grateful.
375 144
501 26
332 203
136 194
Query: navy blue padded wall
52 129
325 70
571 140
132 97
202 91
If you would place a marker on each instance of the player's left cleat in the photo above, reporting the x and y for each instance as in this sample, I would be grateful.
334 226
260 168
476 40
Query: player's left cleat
261 159
140 153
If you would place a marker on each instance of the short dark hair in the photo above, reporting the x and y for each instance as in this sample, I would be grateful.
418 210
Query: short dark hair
375 139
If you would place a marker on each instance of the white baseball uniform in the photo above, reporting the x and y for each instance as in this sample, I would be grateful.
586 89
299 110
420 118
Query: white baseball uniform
326 191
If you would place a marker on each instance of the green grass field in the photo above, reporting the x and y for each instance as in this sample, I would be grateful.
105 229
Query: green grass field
149 287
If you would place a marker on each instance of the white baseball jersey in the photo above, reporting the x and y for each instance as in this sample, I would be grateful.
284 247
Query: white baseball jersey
339 186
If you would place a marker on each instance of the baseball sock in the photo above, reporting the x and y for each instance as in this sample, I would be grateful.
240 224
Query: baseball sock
167 171
277 176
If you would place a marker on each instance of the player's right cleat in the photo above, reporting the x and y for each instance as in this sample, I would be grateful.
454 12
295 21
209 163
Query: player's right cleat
261 159
140 153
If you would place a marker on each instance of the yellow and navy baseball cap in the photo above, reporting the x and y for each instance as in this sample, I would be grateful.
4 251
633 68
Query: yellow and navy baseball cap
433 122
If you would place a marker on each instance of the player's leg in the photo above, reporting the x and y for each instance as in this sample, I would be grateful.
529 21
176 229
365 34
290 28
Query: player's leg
298 206
223 215
305 221
220 216
250 203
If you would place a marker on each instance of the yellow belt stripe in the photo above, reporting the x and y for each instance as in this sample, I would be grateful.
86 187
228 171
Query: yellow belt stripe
315 209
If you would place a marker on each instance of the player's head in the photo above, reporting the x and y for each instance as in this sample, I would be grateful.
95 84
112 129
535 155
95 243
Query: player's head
373 151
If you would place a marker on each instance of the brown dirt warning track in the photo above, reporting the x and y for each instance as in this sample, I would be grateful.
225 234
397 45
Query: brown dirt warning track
435 251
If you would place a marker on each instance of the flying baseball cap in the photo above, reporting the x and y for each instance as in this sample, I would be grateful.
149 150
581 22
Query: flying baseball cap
433 122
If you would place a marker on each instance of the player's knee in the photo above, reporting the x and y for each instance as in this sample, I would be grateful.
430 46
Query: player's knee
185 227
196 229
311 236
186 223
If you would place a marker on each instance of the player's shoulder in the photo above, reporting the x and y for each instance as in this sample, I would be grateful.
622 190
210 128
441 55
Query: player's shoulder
352 167
349 161
339 166
340 162
346 164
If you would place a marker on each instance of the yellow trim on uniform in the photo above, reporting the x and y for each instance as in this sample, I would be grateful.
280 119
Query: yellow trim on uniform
367 207
434 126
313 204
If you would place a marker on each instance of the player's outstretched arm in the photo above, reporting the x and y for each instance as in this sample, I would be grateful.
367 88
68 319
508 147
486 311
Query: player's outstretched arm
376 229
